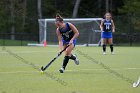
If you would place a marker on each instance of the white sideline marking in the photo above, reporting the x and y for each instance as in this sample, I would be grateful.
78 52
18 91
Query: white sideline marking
133 68
15 72
29 52
105 69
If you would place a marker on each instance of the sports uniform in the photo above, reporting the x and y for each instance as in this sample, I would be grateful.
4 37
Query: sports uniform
67 34
107 34
107 29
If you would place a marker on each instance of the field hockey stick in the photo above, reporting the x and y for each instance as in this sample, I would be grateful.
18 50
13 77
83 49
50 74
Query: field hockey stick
44 68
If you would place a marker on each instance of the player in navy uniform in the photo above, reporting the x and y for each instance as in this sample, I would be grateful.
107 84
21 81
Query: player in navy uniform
107 27
67 34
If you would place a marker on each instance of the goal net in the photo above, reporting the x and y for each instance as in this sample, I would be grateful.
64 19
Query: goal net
88 28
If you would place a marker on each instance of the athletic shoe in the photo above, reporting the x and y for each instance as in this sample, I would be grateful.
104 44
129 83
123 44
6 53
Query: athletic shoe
76 61
61 70
112 53
104 53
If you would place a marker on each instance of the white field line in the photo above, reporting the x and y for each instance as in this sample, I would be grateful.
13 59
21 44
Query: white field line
24 52
15 72
105 69
27 72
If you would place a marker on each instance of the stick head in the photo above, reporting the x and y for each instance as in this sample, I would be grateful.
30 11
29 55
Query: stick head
135 85
42 69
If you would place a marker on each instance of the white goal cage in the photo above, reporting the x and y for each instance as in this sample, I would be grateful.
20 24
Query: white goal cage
89 29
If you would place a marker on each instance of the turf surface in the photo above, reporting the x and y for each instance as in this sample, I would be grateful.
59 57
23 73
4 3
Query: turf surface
19 71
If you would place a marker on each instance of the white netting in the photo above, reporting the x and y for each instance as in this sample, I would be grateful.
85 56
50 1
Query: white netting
88 28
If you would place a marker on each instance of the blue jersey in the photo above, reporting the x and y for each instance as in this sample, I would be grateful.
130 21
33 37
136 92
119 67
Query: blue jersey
107 26
67 33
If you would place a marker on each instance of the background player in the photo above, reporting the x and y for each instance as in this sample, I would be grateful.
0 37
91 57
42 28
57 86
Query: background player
107 27
67 34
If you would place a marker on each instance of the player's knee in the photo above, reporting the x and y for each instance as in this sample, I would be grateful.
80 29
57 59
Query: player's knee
110 42
67 53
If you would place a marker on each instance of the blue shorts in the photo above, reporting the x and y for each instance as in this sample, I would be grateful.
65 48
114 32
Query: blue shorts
67 42
106 34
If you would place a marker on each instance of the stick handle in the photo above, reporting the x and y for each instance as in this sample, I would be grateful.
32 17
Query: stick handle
44 68
63 50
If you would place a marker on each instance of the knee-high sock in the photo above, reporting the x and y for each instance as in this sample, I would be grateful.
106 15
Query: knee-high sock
111 47
65 61
104 48
72 57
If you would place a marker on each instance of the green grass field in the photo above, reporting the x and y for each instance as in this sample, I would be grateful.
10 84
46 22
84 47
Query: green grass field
7 42
20 76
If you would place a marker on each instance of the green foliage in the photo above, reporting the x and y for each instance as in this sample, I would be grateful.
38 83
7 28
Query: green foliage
4 15
51 7
31 22
26 17
131 7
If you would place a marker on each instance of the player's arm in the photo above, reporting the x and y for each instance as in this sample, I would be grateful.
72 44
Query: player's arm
101 25
74 29
76 32
113 26
59 39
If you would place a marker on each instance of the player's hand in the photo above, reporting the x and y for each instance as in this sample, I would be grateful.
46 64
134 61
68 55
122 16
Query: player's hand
113 30
71 42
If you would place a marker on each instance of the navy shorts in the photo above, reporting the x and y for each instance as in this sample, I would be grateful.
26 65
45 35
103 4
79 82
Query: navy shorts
67 42
106 34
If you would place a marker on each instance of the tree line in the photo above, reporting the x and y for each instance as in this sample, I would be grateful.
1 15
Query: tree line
21 16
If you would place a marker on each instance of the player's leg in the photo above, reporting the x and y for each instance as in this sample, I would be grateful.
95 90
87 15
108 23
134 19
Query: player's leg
104 41
67 57
104 45
110 40
65 61
68 52
74 56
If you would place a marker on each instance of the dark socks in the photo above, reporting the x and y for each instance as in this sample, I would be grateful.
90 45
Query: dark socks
104 48
65 61
111 47
72 57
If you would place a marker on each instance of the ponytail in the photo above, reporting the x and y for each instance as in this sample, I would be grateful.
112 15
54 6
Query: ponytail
59 18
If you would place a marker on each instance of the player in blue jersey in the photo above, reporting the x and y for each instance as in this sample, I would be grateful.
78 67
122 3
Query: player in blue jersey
67 34
107 27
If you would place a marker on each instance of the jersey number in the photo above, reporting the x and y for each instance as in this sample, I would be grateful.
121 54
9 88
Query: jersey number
66 35
107 27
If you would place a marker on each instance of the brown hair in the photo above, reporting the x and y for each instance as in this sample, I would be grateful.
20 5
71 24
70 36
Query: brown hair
59 18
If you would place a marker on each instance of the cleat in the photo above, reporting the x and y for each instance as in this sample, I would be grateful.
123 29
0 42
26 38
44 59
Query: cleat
76 61
61 70
104 53
112 53
42 69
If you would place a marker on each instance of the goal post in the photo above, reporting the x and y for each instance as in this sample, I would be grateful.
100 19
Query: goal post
89 29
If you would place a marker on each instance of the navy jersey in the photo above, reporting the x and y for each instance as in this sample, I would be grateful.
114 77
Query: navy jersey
67 34
107 26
